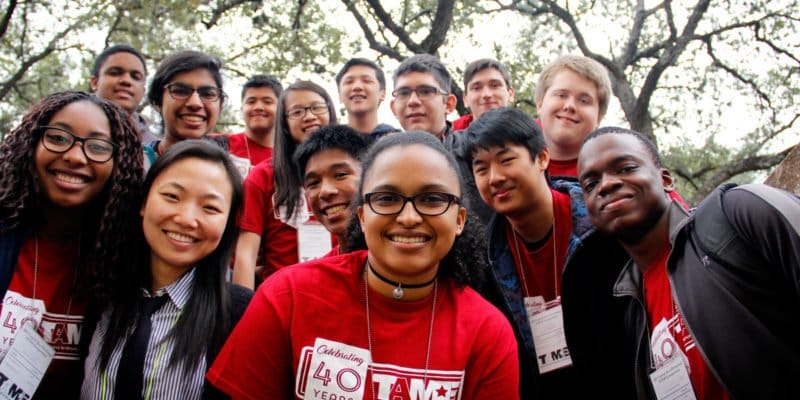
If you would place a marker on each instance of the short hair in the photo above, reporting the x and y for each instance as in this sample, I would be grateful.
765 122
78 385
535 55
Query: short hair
260 81
367 63
180 62
117 48
644 140
339 137
499 127
425 63
287 183
482 64
583 66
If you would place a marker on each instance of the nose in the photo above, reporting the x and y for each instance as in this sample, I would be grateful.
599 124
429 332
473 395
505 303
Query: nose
186 216
327 189
486 91
569 103
609 183
75 154
496 177
408 215
194 100
125 79
413 98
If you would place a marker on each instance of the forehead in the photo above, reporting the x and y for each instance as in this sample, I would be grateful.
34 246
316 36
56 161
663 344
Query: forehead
264 91
487 74
302 98
82 117
123 59
400 168
203 177
566 78
325 159
360 70
196 77
481 153
603 150
415 79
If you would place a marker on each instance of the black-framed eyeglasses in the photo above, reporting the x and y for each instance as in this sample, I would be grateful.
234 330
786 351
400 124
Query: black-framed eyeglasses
424 92
59 140
428 203
300 112
181 91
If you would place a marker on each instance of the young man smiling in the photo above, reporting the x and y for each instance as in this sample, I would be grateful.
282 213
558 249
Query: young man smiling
529 237
487 85
331 169
711 299
421 98
362 88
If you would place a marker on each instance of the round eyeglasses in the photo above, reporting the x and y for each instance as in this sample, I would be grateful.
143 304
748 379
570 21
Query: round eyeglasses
181 91
60 140
429 203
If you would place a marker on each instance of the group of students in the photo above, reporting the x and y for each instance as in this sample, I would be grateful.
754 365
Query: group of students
495 257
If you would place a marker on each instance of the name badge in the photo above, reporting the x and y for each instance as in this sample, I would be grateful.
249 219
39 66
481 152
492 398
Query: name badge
670 379
24 364
18 311
547 325
242 165
313 240
335 371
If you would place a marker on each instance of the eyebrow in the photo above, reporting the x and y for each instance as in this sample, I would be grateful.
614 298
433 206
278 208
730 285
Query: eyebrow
92 134
614 161
431 187
178 186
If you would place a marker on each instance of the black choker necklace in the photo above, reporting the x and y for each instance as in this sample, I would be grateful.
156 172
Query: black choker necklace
397 292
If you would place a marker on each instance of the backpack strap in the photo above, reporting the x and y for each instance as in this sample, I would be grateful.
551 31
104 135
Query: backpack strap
717 238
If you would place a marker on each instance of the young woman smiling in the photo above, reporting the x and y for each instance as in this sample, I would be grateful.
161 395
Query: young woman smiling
391 319
171 315
187 91
68 171
274 209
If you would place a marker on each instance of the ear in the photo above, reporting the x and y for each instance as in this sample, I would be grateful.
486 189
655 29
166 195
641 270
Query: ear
461 219
543 158
360 213
667 181
511 94
93 83
141 210
391 105
450 103
381 95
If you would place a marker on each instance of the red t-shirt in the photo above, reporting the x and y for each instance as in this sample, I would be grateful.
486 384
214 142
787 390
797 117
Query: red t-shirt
563 167
660 306
63 314
278 240
270 354
242 146
541 274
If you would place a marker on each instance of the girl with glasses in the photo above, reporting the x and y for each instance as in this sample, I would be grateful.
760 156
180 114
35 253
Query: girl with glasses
68 172
392 319
173 310
187 91
275 208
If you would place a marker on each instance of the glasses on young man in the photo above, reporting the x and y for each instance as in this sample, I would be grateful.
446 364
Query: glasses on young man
60 140
424 92
429 203
181 91
300 112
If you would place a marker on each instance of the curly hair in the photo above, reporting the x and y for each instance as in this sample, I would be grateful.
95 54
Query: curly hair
467 260
109 220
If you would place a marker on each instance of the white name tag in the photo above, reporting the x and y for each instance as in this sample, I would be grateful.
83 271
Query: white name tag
242 165
671 376
547 326
18 311
336 371
313 240
24 365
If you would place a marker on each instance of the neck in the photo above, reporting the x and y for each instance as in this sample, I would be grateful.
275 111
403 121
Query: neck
363 122
388 290
646 249
163 274
61 225
264 138
561 153
534 224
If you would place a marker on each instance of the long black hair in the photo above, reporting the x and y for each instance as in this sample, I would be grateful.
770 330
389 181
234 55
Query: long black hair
205 319
107 222
286 176
466 262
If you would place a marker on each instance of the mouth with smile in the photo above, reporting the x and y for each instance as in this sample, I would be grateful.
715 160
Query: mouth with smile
408 239
179 237
334 209
567 119
615 203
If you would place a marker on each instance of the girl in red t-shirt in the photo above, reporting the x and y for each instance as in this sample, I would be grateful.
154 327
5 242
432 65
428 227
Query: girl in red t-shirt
69 170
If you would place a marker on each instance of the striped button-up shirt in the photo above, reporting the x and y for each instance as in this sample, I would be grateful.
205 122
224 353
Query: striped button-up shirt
160 380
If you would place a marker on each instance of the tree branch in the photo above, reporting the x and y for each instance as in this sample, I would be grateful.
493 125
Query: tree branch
12 4
733 72
739 166
373 43
440 26
218 12
398 31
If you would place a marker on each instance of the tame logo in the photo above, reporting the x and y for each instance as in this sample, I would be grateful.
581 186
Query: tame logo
390 382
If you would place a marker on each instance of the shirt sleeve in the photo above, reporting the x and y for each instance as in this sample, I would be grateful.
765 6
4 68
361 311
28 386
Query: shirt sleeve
256 360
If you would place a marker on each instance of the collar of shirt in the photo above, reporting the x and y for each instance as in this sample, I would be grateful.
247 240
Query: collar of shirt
177 291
